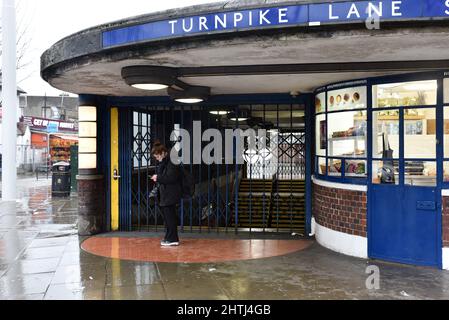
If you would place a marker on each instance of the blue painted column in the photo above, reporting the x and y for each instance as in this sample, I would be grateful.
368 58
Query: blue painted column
309 119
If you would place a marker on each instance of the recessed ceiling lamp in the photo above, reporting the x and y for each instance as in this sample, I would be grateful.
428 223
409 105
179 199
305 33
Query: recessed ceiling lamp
220 112
149 77
189 94
240 116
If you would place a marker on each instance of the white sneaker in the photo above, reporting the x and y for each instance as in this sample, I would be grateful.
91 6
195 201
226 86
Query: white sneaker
169 244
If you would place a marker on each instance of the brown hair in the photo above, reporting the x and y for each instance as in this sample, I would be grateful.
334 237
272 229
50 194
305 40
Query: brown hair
158 148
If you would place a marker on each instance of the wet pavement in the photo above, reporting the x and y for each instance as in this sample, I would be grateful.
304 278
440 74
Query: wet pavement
40 258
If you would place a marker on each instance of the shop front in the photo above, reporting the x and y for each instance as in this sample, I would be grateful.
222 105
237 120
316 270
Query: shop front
383 142
354 126
51 141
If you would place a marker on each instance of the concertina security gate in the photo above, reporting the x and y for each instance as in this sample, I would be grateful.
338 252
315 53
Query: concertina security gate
266 194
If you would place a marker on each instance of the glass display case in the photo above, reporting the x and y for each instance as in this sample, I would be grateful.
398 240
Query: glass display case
341 132
405 94
349 126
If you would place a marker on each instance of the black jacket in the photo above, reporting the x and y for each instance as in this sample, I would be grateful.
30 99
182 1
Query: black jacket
169 181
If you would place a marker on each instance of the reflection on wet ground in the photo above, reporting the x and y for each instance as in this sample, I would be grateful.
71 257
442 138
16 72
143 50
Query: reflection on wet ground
191 250
40 258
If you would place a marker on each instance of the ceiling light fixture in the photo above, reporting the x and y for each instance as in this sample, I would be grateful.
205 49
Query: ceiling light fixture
189 94
240 116
219 112
149 78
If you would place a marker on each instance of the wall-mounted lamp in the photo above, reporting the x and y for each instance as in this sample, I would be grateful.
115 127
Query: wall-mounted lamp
149 77
87 140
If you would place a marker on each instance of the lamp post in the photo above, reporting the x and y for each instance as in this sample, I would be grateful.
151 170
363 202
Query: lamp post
9 96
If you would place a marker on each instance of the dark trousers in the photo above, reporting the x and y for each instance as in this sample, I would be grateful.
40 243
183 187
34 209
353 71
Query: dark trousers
171 223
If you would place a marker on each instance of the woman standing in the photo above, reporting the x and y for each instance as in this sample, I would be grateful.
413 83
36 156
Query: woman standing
167 179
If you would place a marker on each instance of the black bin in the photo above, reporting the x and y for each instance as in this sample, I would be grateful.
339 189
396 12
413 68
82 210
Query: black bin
61 180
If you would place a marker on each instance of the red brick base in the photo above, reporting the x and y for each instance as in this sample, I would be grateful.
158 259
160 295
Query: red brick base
340 210
91 204
446 221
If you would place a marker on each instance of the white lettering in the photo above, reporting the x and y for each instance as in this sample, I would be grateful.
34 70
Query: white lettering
331 15
283 14
251 17
263 17
203 21
197 141
395 9
185 28
373 8
66 125
353 10
173 23
223 21
447 5
212 153
238 17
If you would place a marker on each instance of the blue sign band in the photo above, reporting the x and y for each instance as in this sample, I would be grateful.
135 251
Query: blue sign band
300 15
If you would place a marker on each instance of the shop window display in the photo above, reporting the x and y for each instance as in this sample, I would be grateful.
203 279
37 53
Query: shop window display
421 173
346 99
347 134
60 148
420 134
341 133
446 171
386 172
415 103
322 166
406 94
320 103
320 136
386 134
335 167
446 90
355 168
446 132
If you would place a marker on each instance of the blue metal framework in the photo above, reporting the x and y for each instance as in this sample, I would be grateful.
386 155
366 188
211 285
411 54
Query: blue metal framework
401 160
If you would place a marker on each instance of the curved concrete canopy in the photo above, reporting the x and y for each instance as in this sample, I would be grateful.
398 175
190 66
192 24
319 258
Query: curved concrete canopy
80 65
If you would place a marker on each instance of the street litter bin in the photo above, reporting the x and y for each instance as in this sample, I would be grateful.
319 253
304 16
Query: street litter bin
61 180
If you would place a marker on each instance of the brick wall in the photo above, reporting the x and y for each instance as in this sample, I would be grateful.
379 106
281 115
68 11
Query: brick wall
340 210
91 207
446 221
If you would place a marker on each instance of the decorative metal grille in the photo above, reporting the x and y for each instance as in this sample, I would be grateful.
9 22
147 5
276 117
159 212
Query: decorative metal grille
254 197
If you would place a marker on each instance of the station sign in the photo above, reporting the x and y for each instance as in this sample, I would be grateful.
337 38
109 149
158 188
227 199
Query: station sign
275 17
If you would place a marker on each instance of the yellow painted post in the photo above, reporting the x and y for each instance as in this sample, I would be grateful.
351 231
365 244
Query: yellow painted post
114 170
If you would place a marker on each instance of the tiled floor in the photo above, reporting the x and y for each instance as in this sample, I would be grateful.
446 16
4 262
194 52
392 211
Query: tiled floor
41 258
191 250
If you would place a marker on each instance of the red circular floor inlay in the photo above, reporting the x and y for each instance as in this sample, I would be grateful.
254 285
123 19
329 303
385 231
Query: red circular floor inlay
191 250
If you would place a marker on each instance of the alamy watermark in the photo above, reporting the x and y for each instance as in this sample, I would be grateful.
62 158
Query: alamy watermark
373 280
235 146
374 14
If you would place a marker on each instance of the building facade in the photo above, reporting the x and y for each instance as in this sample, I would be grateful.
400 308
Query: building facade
350 97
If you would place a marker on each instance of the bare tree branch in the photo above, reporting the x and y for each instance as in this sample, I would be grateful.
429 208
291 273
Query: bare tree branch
23 40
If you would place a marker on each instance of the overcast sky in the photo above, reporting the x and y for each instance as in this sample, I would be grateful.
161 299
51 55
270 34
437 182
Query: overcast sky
51 20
